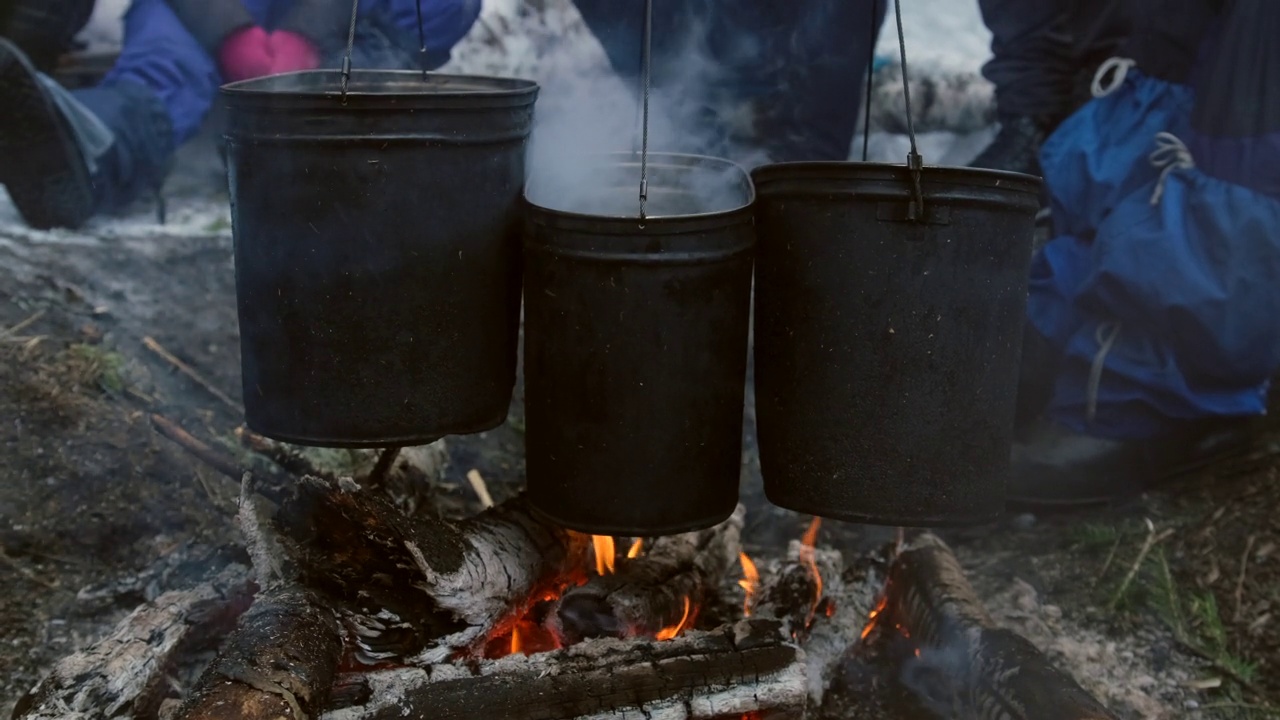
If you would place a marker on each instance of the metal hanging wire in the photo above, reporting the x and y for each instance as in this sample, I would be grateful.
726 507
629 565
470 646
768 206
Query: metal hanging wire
915 163
351 43
646 63
871 66
422 43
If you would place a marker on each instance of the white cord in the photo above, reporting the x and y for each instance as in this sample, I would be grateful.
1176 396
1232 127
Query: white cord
1117 68
1170 154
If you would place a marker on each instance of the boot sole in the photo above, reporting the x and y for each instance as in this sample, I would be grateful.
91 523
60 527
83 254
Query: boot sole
40 163
1230 449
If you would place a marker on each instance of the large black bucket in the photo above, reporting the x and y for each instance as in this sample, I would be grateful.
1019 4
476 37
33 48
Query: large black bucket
377 252
636 345
886 349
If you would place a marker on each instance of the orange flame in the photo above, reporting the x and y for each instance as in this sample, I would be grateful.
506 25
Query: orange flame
871 616
605 554
669 632
636 547
749 582
516 646
807 556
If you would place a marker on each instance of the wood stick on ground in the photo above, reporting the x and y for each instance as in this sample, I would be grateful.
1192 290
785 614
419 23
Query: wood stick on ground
419 587
279 662
1153 539
155 347
966 666
125 673
31 320
481 489
654 591
731 672
201 451
1244 573
285 457
378 475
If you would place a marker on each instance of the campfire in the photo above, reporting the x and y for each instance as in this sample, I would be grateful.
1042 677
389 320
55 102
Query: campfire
352 608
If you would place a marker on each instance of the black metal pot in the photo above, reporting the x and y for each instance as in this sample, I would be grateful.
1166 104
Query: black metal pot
377 252
886 349
635 345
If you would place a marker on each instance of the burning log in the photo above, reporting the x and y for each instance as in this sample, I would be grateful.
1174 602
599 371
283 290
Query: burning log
961 662
280 662
737 670
658 591
418 587
125 673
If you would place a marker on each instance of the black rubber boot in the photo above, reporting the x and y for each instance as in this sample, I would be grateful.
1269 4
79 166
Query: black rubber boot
41 165
1057 468
1016 148
44 29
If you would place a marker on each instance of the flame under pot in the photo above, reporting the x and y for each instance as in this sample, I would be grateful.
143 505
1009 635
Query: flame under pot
377 252
887 349
635 344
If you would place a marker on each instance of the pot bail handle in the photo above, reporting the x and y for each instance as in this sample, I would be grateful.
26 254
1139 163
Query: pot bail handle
351 43
915 162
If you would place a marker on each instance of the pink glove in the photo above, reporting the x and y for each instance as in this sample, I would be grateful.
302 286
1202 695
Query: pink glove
291 52
245 54
254 52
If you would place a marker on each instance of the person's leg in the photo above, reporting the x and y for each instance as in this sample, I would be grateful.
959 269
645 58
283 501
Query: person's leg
816 56
154 99
776 81
1040 51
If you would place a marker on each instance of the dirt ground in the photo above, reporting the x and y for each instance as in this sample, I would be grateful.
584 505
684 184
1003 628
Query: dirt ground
1166 607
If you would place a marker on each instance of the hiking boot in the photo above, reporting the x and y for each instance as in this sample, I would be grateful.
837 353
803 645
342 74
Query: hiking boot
41 164
1056 467
44 29
1016 148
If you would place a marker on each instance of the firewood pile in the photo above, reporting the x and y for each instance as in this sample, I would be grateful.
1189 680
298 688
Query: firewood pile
351 607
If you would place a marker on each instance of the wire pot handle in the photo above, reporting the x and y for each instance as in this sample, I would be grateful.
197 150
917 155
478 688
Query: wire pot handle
351 42
915 162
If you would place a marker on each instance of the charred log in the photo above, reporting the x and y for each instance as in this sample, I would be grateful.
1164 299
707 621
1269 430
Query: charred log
124 674
965 664
280 662
741 669
421 588
660 589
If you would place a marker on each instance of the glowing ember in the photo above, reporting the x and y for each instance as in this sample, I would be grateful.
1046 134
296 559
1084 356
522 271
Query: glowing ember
669 632
875 613
636 547
605 553
749 582
807 556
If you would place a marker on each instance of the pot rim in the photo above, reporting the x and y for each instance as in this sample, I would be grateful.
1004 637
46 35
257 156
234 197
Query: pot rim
277 87
850 170
541 212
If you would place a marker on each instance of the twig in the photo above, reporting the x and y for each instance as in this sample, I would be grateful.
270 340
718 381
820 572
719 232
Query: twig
386 459
283 456
22 325
1244 571
25 571
1152 540
480 488
1111 556
1218 665
196 448
190 372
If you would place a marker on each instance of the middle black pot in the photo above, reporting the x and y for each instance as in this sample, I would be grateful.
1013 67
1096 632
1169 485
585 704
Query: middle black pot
636 345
